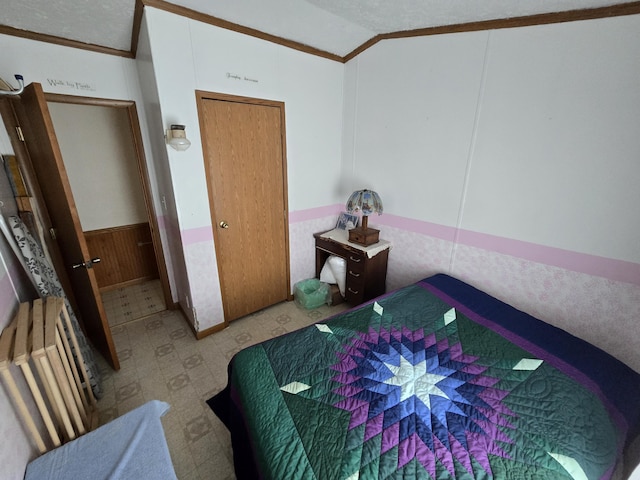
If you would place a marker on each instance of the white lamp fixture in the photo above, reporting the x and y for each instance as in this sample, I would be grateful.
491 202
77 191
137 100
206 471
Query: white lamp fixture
177 138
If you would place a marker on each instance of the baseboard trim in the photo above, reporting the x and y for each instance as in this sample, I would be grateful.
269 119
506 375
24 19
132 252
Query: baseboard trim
128 283
211 330
199 334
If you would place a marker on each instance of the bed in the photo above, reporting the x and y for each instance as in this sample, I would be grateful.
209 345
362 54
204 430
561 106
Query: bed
435 380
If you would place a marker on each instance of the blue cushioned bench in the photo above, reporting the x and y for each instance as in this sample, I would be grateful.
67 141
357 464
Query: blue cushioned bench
132 446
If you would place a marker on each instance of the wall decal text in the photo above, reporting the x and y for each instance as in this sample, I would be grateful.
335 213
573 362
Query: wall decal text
82 86
235 76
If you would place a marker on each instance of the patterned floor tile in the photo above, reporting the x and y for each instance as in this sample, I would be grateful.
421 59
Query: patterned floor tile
192 361
161 359
178 382
164 350
197 428
178 334
130 303
243 338
127 391
283 319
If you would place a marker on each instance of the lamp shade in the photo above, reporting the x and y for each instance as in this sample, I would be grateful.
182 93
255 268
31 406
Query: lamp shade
365 201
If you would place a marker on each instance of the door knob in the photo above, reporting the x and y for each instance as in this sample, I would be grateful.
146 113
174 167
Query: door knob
224 224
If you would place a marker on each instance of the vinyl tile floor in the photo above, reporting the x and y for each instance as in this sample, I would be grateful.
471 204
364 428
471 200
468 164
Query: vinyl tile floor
126 304
161 359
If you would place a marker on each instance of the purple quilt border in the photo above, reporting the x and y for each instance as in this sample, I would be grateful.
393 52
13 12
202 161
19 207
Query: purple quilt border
541 353
536 350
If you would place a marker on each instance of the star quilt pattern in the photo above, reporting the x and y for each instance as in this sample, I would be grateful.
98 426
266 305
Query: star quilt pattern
409 386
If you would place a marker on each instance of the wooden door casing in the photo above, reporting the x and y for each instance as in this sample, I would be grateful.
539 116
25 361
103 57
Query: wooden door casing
47 164
244 154
136 139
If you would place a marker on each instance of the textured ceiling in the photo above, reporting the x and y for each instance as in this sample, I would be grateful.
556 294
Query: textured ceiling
106 23
335 26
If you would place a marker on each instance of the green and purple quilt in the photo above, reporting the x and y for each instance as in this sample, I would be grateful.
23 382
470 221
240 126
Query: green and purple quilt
437 380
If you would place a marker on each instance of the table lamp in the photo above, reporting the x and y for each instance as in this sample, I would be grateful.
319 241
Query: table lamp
367 202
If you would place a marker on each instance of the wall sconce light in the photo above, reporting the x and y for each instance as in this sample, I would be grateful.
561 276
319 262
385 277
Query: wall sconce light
177 138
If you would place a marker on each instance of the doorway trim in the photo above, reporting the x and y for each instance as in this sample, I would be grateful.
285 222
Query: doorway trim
143 172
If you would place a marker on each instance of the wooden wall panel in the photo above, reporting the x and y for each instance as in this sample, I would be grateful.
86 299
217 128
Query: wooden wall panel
126 254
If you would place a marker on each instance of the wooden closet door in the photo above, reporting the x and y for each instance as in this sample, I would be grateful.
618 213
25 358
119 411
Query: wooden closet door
245 166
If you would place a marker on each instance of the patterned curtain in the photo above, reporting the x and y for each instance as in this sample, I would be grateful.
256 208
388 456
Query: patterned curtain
48 285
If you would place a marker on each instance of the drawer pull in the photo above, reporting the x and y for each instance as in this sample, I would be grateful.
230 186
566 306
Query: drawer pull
357 260
354 274
355 292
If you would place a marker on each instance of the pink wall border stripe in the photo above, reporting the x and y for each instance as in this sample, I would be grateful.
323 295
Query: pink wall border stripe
613 269
416 226
314 213
197 235
205 234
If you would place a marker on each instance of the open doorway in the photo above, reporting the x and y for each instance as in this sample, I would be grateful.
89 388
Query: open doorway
108 178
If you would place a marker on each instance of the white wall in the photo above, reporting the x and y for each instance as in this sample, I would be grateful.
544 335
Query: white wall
509 158
209 59
167 213
414 118
72 71
101 164
187 56
527 133
68 70
556 157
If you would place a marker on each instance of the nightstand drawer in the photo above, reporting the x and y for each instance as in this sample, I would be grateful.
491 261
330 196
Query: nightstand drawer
365 277
355 275
354 294
355 264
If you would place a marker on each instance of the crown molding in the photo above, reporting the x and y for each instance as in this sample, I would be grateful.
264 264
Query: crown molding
218 22
618 10
65 42
622 9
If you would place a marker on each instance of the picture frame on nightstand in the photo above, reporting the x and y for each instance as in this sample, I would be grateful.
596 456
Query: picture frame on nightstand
347 221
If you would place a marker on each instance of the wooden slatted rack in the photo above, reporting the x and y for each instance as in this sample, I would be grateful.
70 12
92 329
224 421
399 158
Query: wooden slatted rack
53 367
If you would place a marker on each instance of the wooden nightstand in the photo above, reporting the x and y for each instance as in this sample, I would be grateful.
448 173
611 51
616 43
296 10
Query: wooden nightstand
366 266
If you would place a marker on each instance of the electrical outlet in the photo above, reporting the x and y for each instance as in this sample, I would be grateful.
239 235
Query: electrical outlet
188 302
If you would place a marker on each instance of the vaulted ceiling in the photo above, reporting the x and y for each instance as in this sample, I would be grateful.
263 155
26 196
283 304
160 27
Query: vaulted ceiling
332 28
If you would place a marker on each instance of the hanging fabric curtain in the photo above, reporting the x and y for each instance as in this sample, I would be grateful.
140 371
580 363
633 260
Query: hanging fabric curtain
47 283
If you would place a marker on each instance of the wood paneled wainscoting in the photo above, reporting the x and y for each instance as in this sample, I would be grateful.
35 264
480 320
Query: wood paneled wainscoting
126 255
